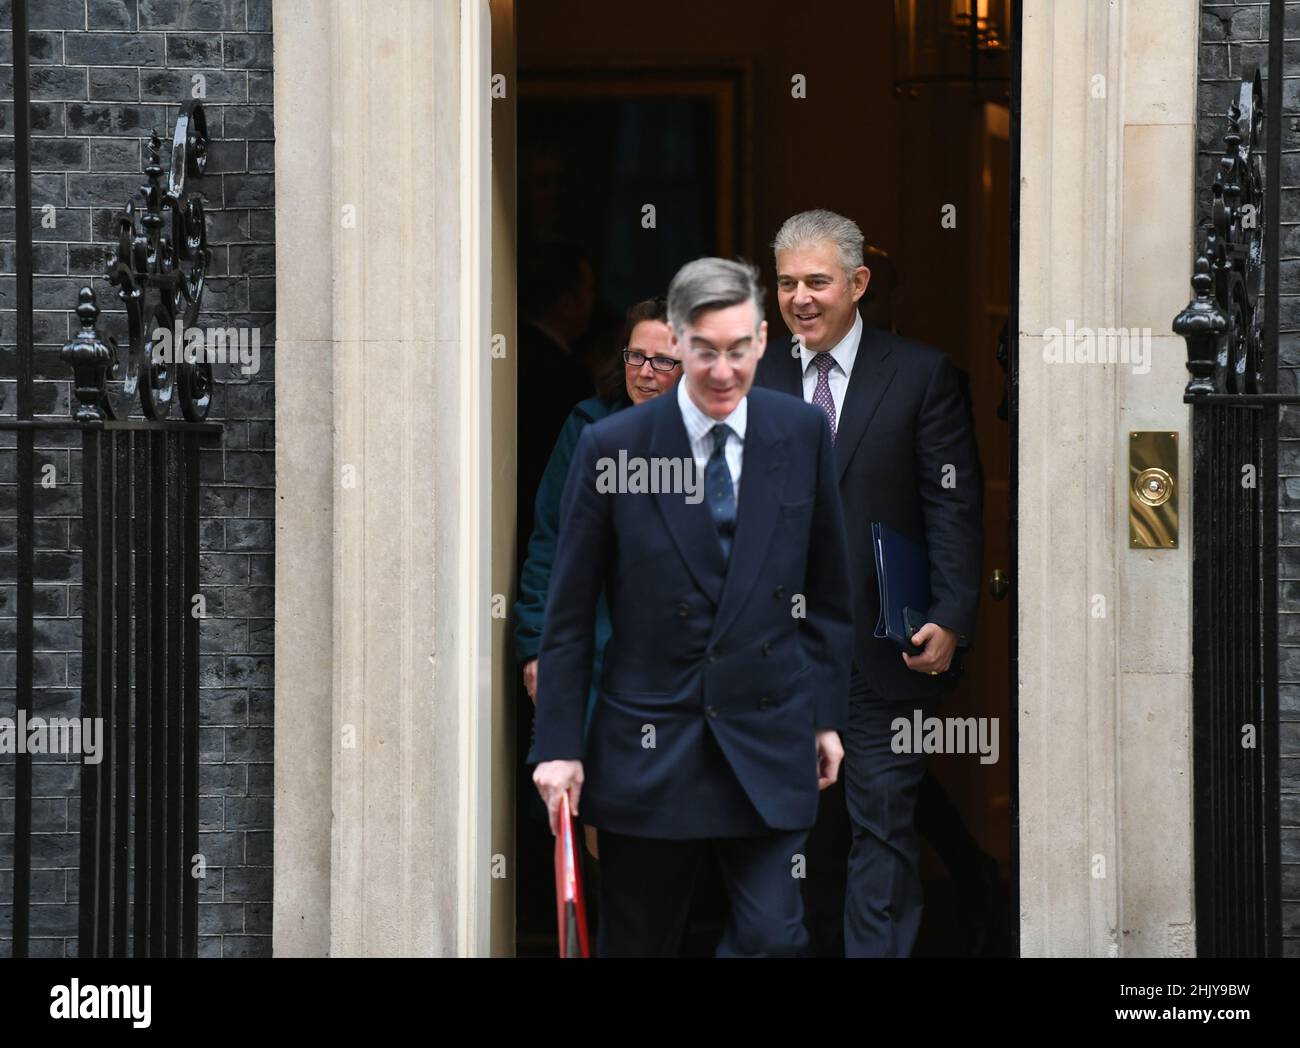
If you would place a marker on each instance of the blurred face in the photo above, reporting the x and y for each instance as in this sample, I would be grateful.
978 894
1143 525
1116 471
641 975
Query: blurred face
721 350
817 298
651 338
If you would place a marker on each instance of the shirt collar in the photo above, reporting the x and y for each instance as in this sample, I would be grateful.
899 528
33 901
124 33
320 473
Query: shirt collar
843 352
698 423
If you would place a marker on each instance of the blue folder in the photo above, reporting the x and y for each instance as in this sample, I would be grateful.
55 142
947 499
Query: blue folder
903 572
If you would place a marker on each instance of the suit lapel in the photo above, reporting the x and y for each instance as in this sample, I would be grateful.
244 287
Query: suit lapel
787 370
762 481
690 525
872 374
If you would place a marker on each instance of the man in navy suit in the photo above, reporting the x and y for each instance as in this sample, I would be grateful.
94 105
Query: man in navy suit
905 456
710 518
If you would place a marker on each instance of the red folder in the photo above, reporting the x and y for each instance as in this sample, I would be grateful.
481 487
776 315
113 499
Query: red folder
571 911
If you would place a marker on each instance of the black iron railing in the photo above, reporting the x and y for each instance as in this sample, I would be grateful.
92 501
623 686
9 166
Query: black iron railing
138 892
1231 327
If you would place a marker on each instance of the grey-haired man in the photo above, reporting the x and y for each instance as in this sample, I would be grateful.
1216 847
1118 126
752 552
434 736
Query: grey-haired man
905 456
725 682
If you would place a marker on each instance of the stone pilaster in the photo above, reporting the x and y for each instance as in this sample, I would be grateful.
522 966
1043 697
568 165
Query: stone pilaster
1108 112
383 706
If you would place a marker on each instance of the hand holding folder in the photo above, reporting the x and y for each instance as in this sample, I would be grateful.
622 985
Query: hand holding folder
903 575
571 909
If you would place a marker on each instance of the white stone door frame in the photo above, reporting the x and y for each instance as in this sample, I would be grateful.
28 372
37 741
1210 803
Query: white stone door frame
383 674
1107 202
383 587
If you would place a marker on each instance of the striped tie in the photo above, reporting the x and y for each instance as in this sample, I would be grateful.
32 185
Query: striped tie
719 490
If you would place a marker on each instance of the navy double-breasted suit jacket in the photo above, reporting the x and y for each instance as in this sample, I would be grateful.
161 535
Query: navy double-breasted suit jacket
715 678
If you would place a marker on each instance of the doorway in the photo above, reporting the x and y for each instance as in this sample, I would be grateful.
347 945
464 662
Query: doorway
723 119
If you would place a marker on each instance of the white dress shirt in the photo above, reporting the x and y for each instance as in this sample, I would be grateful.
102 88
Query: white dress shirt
698 431
843 354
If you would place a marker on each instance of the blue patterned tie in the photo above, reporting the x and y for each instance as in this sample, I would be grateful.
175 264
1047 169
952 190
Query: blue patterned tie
718 490
822 394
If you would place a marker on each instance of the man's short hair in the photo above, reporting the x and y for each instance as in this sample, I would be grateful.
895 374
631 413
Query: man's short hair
712 283
811 227
646 309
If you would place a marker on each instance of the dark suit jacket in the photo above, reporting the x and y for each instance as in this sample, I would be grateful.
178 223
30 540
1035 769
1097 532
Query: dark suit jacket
905 419
712 684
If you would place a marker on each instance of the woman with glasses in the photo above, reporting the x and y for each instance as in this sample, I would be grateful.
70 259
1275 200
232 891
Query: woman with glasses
651 365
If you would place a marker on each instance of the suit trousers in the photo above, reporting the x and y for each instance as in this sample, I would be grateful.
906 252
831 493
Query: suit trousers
882 911
646 886
824 884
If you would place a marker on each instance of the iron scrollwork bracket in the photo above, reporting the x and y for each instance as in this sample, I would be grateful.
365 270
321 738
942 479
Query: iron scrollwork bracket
160 279
1223 323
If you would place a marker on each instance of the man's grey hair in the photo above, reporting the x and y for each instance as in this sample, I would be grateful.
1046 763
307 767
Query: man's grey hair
811 227
712 283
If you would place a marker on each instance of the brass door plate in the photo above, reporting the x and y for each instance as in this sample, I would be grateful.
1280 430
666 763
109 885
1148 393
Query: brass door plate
1152 490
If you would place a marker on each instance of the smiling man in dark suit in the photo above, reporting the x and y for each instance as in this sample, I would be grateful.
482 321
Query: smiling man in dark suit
725 679
905 456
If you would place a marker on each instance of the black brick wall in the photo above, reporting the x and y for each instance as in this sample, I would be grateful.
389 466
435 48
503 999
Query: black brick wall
1233 42
104 73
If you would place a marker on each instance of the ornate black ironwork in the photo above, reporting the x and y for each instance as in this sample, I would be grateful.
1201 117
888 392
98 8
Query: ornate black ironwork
91 361
169 268
139 542
1230 327
1223 323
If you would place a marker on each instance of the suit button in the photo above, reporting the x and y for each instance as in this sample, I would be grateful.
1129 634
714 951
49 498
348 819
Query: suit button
713 657
779 592
767 647
763 703
711 711
683 608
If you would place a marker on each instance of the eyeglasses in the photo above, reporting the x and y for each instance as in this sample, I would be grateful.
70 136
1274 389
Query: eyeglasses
709 357
636 358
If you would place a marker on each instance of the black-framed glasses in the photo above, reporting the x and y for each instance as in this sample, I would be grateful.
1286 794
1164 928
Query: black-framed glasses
636 358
